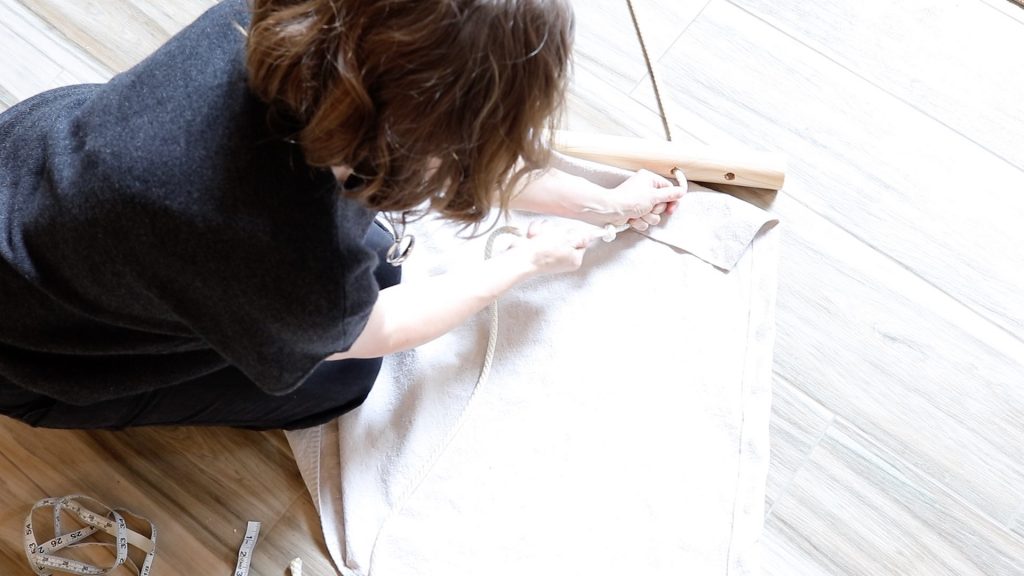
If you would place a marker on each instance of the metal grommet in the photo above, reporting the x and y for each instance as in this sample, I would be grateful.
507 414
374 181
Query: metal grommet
400 250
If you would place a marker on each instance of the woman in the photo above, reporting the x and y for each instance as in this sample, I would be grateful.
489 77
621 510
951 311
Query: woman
193 242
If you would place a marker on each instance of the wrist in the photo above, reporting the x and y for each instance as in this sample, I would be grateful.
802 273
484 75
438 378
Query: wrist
589 202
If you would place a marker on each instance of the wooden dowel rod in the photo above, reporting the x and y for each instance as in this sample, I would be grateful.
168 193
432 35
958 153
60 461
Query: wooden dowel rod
699 164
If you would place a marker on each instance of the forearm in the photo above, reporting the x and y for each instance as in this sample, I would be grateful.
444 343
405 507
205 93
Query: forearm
560 194
408 315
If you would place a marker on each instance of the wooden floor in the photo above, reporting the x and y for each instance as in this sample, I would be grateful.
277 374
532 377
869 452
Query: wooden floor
898 428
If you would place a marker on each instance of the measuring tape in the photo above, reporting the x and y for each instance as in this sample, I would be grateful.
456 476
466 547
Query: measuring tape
44 562
41 556
252 532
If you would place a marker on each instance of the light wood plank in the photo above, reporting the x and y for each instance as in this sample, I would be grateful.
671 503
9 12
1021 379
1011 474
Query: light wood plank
606 43
49 42
938 43
115 32
17 494
595 105
798 423
199 486
296 535
856 509
172 15
6 99
24 69
894 177
609 61
662 22
934 382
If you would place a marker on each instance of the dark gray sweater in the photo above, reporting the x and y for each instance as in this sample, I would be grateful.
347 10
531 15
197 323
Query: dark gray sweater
155 228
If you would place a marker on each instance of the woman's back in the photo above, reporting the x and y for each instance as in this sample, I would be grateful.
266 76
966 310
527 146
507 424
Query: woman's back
158 228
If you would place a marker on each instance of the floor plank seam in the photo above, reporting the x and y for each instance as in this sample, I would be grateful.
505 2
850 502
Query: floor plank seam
27 42
981 314
992 323
269 526
657 60
6 99
878 87
886 454
1018 518
31 478
55 32
807 457
151 487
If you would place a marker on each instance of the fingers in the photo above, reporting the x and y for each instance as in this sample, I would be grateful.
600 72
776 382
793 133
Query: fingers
577 239
671 195
655 180
583 241
645 222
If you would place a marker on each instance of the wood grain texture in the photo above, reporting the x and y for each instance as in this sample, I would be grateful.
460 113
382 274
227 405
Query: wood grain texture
857 508
895 367
199 486
700 163
608 62
871 163
296 535
1017 525
606 42
596 105
915 369
6 99
952 42
664 21
35 57
798 423
115 32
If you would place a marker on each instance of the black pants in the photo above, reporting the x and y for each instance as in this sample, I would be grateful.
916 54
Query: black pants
226 397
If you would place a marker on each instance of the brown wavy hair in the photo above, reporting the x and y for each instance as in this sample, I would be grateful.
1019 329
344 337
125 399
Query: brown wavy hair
446 101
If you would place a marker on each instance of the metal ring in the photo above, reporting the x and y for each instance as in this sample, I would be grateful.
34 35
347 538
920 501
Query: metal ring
400 250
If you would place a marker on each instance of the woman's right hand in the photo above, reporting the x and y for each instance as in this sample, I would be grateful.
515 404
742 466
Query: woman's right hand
417 311
550 248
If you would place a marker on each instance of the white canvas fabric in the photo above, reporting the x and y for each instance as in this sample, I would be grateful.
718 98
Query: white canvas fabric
623 429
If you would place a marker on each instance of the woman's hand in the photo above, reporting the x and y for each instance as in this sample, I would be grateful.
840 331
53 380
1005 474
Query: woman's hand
641 201
412 313
551 248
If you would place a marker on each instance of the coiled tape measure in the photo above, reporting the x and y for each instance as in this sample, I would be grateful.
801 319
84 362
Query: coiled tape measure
96 518
111 521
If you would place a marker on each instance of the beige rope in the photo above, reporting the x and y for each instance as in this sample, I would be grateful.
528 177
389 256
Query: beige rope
650 71
655 83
